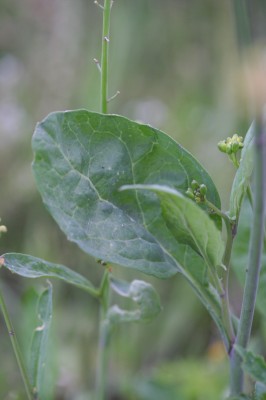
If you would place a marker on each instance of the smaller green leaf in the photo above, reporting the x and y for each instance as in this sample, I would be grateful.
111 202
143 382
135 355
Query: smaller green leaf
252 364
243 174
33 267
260 391
188 223
40 340
141 293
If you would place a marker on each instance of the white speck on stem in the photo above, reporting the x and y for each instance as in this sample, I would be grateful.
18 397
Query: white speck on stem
40 328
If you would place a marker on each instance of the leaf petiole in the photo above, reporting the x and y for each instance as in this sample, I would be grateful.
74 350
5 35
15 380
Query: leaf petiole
229 224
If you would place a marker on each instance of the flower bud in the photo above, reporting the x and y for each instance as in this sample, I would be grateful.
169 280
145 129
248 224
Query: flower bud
203 190
194 185
190 193
222 146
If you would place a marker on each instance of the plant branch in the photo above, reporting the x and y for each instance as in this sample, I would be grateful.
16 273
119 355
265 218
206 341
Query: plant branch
16 349
104 336
211 302
242 23
104 57
226 262
104 333
254 260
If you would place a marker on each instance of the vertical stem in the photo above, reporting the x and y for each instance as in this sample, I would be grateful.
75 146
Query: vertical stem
223 290
243 33
257 230
104 57
104 337
16 349
104 334
254 261
226 262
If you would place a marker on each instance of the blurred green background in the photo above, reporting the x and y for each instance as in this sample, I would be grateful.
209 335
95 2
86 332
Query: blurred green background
175 63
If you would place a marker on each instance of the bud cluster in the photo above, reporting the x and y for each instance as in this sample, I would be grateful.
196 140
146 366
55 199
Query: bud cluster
231 146
197 192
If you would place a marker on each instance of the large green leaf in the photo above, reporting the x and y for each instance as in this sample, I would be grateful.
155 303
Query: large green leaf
240 255
143 294
188 223
39 343
243 174
83 158
253 365
33 267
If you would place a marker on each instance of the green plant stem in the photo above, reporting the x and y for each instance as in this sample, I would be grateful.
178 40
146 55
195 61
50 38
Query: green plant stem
243 33
254 260
214 307
104 338
223 290
226 315
228 225
16 349
104 334
104 57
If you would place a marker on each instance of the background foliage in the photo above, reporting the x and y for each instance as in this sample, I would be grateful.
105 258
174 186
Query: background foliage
176 65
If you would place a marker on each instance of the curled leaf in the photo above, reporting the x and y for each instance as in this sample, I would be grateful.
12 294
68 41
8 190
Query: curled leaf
143 294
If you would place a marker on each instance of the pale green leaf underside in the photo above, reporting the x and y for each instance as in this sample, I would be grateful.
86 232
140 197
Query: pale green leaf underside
33 267
188 223
143 294
243 174
38 351
240 255
83 158
253 365
260 391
